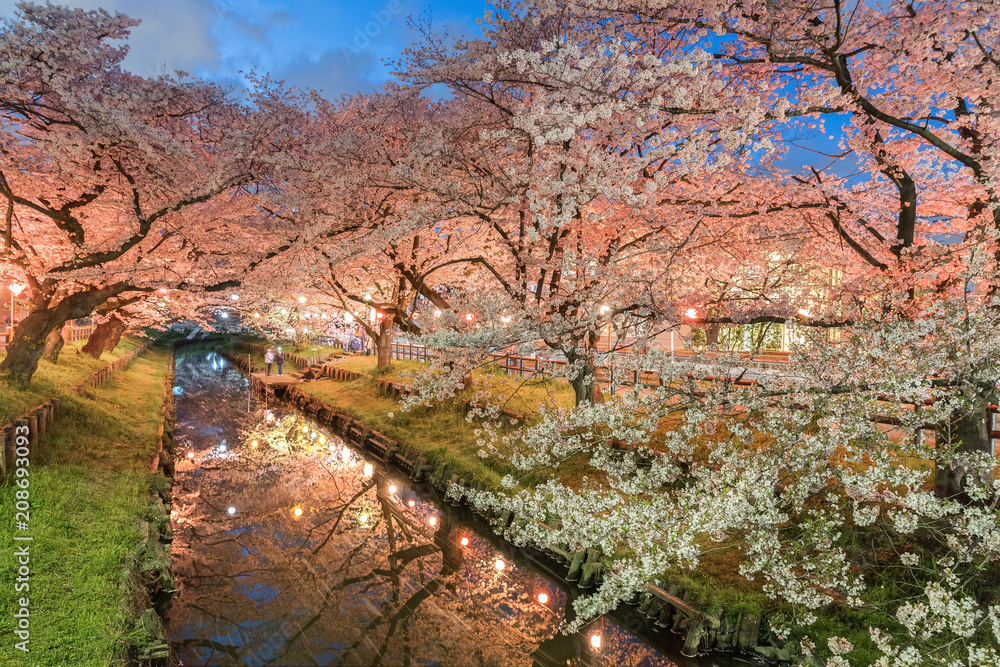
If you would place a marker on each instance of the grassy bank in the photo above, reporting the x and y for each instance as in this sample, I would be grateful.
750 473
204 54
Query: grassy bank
89 486
53 380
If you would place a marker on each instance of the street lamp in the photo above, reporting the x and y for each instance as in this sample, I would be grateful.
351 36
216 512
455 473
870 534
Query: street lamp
15 290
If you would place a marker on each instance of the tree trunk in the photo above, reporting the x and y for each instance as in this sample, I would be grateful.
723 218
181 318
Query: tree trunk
29 337
105 337
53 345
585 387
383 343
971 432
28 343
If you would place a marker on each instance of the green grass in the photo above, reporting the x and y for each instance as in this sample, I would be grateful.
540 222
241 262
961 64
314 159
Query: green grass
52 380
440 434
520 396
89 486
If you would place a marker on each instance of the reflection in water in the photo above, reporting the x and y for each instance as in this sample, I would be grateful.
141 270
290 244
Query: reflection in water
291 549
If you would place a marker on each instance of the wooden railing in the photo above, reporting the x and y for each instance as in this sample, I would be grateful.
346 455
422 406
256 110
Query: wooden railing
102 375
70 334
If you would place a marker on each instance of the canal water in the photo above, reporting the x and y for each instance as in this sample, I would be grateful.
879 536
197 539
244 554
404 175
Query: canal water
291 548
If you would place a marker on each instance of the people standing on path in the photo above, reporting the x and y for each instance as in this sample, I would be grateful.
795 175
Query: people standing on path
269 359
280 358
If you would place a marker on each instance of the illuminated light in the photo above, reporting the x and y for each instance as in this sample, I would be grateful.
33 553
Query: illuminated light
291 418
224 316
804 312
305 428
270 417
312 435
298 511
392 488
412 503
234 297
433 520
369 469
323 316
605 310
379 315
163 289
692 313
363 518
16 288
345 455
543 598
222 447
190 455
256 314
306 316
161 304
437 313
253 444
469 317
505 319
595 641
368 297
231 511
464 541
322 439
348 318
302 299
499 565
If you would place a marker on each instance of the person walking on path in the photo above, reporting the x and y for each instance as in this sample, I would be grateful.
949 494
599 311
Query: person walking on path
280 358
269 359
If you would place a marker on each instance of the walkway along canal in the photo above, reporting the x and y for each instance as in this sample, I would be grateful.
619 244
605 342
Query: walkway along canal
293 548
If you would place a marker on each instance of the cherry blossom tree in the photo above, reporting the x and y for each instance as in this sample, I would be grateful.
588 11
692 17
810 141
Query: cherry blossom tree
114 184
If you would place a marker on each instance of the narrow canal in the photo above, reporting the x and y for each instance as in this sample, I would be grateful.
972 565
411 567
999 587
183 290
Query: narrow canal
292 548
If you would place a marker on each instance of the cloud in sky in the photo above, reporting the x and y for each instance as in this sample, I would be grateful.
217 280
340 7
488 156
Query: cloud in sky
336 46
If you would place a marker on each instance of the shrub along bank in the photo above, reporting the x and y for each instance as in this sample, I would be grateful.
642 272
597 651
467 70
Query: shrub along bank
89 490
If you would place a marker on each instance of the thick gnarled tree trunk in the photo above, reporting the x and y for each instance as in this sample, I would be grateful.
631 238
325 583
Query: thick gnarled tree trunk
53 345
105 338
28 343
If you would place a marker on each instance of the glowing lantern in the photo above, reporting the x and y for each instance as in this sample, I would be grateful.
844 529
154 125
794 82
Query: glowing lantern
253 444
302 299
190 455
433 521
499 565
231 511
543 598
464 541
298 511
691 313
595 641
369 469
392 488
412 503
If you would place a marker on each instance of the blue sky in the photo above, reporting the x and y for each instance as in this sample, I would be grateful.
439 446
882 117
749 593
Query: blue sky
336 46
